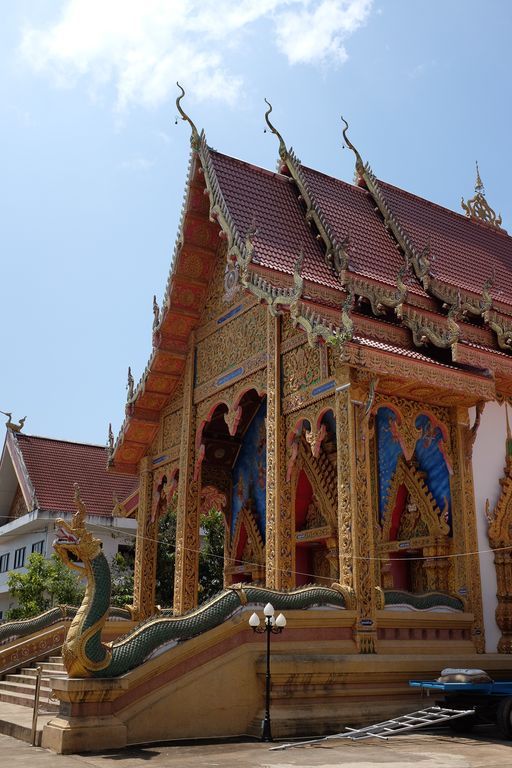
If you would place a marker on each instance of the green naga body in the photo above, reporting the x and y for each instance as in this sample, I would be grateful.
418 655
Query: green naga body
85 655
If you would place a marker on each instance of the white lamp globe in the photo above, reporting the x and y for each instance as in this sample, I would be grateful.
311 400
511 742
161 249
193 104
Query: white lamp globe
254 621
281 621
268 610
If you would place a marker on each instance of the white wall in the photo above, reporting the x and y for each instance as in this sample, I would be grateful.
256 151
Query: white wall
488 465
106 529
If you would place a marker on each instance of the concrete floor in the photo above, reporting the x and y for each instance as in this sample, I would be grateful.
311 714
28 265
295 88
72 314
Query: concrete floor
419 750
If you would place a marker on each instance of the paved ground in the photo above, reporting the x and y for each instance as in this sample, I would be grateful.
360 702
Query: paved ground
420 750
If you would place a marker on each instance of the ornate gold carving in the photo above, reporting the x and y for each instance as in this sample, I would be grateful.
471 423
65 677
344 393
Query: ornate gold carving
212 498
317 327
283 152
355 519
301 369
500 538
315 437
233 344
478 208
273 437
426 328
380 296
465 539
195 140
187 513
9 424
145 547
322 476
171 429
232 419
253 555
421 516
276 298
502 327
130 384
418 379
467 302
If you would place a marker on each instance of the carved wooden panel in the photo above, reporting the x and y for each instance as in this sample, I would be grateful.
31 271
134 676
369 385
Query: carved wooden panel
238 340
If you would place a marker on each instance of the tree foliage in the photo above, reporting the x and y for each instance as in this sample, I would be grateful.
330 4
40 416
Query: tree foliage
121 571
211 555
45 584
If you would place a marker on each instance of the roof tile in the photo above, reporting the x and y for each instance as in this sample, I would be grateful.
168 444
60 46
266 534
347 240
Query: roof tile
55 465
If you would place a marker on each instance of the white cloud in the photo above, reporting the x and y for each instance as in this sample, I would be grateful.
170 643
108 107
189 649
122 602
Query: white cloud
317 32
142 48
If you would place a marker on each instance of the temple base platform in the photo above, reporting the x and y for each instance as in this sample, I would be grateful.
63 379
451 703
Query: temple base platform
212 686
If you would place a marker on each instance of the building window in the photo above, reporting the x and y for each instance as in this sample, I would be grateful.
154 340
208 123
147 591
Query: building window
19 557
38 547
4 562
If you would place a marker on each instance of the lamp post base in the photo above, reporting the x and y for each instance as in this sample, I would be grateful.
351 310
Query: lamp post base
266 733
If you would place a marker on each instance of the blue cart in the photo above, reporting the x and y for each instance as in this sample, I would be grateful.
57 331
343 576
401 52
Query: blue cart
491 702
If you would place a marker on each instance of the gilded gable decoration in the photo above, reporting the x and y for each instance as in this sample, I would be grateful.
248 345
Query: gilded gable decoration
421 516
195 139
478 208
247 551
499 531
427 328
283 152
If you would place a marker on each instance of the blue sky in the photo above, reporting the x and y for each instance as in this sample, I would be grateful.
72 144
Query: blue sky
93 168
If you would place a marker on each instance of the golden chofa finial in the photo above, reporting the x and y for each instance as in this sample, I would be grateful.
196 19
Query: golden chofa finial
359 160
478 208
283 152
10 423
195 139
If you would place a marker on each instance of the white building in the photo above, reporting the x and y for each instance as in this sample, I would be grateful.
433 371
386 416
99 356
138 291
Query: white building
37 476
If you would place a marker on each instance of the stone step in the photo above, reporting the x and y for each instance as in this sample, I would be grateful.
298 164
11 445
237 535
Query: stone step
24 678
56 659
52 666
32 672
26 700
16 685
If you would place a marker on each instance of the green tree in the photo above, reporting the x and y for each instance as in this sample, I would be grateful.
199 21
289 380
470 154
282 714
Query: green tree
166 556
211 555
45 584
122 581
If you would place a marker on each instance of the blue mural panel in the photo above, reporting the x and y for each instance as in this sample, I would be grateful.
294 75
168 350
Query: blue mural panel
389 451
250 472
431 459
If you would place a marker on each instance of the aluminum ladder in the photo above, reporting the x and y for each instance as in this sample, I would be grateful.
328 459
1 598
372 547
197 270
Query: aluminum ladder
402 724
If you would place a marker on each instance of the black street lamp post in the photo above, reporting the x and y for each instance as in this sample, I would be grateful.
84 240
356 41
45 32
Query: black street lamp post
274 626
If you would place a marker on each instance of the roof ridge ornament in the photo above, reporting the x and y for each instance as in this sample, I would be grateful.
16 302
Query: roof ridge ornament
9 424
359 159
283 151
477 207
195 139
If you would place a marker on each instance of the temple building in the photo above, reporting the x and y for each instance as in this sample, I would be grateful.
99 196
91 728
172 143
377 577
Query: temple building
36 487
331 365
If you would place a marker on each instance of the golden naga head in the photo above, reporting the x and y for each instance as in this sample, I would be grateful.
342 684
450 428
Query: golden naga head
74 544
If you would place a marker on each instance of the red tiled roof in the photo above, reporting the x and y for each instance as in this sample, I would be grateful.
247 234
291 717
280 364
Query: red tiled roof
268 200
350 212
463 253
54 466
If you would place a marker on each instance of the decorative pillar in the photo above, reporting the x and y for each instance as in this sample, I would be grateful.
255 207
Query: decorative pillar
278 543
355 515
187 512
500 539
466 581
144 579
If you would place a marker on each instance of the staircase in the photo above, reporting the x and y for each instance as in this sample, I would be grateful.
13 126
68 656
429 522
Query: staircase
17 692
